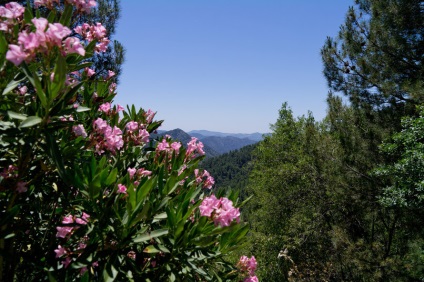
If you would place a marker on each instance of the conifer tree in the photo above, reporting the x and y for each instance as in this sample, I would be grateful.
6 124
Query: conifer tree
377 58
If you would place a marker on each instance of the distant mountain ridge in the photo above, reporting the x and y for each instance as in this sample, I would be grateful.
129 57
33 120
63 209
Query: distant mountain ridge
215 143
206 133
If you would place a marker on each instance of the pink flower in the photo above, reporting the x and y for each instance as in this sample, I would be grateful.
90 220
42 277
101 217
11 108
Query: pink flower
163 146
119 108
21 187
12 10
102 46
194 148
247 265
67 262
100 125
143 136
46 3
82 246
23 90
15 54
110 74
122 189
60 251
99 32
79 130
114 139
112 87
252 264
131 172
143 172
29 41
56 33
208 205
149 115
251 279
83 220
73 45
176 146
68 219
221 211
40 24
105 108
89 72
62 232
132 126
83 5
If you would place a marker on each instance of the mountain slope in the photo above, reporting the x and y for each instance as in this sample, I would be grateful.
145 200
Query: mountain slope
226 144
205 133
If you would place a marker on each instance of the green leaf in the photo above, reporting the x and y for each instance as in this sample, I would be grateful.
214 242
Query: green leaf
35 81
110 273
59 78
28 16
65 19
112 177
52 149
159 217
30 121
148 236
151 249
3 50
14 83
15 115
82 109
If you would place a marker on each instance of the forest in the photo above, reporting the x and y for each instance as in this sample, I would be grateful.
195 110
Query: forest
341 199
90 192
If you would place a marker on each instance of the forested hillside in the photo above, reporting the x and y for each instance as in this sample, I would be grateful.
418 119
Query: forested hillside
342 199
231 170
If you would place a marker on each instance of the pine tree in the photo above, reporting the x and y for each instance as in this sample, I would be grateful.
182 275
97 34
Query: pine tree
377 58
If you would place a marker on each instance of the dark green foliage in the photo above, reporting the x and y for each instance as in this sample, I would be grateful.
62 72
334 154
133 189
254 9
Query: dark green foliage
377 59
315 214
231 170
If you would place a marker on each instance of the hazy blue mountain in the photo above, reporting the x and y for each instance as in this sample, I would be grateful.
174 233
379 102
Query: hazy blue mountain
205 133
226 144
216 143
184 138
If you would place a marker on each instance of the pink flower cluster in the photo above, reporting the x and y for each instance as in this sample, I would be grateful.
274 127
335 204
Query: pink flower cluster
122 189
46 3
137 174
12 172
108 110
149 115
45 37
9 13
137 133
194 148
66 231
220 210
94 32
205 178
106 137
247 267
164 146
81 5
79 130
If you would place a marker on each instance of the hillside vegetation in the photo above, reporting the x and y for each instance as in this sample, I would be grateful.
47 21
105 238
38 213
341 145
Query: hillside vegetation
342 199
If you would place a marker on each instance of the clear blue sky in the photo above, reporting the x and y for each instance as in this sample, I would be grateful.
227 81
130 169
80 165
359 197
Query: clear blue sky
226 65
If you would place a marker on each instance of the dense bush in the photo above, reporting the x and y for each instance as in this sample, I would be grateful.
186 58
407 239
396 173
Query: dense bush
85 193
